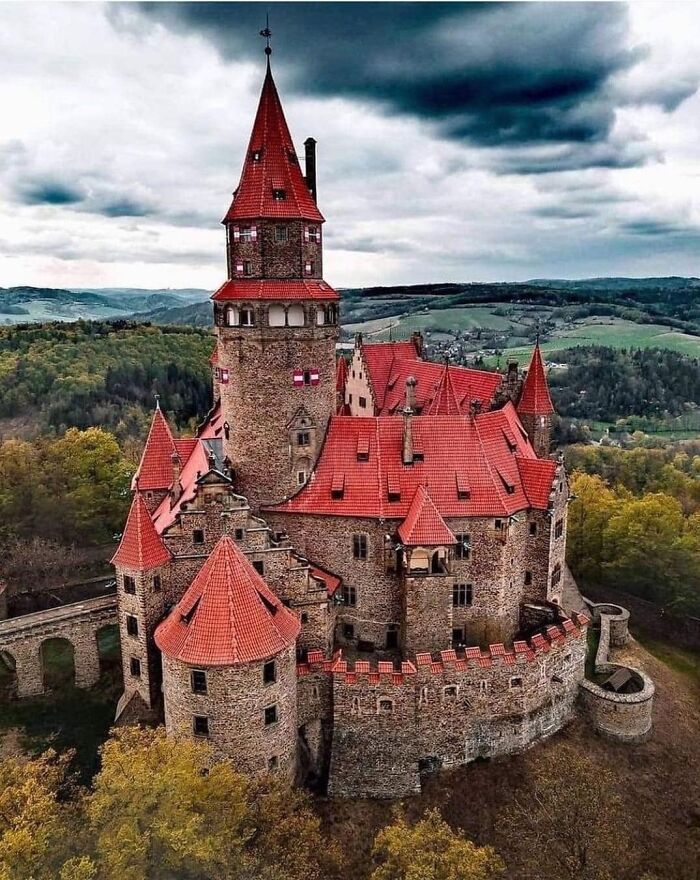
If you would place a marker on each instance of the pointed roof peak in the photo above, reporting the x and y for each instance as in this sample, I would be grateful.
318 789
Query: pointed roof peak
141 547
271 184
445 401
228 615
534 397
155 469
423 523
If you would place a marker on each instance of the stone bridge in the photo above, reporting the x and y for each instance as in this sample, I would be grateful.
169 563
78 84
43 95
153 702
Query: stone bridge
21 640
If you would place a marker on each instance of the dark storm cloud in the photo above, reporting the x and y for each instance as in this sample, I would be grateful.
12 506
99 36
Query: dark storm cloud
489 74
47 191
121 207
652 228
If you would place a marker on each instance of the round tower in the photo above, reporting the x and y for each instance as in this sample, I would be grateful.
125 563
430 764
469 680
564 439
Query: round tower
276 319
229 665
535 406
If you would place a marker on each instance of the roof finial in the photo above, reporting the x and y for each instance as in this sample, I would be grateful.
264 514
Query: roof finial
267 33
157 397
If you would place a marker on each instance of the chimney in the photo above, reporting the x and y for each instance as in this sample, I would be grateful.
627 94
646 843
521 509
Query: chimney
310 154
176 490
408 410
417 340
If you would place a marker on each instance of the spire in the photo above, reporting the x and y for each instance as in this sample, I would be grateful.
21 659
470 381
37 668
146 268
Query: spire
444 403
271 184
156 470
535 398
228 615
141 547
423 524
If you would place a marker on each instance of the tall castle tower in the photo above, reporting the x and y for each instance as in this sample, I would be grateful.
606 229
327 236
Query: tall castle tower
535 406
276 319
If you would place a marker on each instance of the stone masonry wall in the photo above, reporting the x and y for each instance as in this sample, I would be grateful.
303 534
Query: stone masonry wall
235 705
270 258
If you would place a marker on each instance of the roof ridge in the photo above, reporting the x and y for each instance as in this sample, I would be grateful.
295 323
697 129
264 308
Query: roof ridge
497 483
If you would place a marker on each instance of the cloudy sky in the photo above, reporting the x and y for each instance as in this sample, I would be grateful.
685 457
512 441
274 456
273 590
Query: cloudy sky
456 142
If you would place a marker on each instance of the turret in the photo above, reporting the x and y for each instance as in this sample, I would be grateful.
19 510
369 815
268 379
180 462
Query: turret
276 319
535 406
408 410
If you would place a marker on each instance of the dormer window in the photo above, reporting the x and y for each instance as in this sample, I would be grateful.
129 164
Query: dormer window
256 155
279 195
338 486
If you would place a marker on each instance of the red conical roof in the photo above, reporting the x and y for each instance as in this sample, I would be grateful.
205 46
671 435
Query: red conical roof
423 523
141 547
534 398
227 616
156 469
445 402
276 168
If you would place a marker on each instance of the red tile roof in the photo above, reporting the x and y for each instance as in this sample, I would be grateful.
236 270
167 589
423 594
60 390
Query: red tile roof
423 524
141 547
332 581
538 477
228 615
277 167
445 402
470 467
156 469
261 289
341 374
534 397
389 365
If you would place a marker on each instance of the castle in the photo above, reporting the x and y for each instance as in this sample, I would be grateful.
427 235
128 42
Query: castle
354 573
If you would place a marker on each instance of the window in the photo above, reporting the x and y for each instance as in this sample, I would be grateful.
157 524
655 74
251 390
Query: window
533 530
498 524
247 267
129 584
273 763
132 625
528 578
385 706
307 377
256 155
279 195
450 692
157 586
270 715
232 317
238 534
363 402
304 617
348 631
313 233
198 536
556 574
303 438
423 698
483 686
135 667
559 528
392 639
281 234
301 477
270 672
463 549
200 725
259 566
359 546
516 682
247 317
349 595
246 233
355 707
462 595
457 637
308 267
198 681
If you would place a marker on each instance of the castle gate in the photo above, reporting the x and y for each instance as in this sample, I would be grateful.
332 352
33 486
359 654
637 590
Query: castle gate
21 640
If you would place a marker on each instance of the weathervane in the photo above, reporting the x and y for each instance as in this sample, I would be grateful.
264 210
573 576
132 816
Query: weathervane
267 33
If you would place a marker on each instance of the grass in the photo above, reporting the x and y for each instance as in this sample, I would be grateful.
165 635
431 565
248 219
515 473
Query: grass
66 717
681 660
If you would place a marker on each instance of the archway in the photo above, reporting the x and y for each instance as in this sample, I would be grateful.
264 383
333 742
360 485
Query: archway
57 664
8 676
295 315
109 650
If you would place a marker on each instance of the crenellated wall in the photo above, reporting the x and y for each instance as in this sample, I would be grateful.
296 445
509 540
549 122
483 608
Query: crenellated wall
391 723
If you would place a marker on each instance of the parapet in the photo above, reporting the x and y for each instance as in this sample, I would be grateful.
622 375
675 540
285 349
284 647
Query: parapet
498 655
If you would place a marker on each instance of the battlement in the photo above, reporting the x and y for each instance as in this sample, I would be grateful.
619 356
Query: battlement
521 652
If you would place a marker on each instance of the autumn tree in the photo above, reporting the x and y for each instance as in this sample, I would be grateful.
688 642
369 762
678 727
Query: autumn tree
431 850
568 821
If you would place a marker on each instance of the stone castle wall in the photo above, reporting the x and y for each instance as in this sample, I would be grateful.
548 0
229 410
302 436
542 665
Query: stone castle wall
235 705
390 723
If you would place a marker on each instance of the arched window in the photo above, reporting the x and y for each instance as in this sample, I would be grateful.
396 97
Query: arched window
320 315
247 316
355 709
331 314
295 315
232 316
275 315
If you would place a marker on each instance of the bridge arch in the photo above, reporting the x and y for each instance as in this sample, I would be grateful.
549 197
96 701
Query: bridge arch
8 675
58 663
